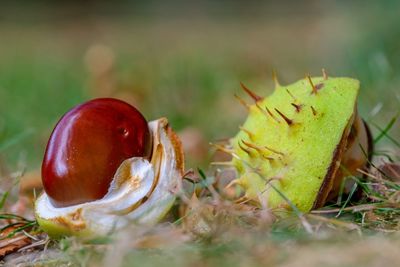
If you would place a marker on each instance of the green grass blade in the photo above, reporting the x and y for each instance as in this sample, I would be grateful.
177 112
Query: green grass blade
386 129
353 190
3 199
15 140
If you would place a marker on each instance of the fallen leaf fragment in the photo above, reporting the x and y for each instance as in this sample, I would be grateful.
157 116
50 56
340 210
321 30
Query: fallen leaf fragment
11 244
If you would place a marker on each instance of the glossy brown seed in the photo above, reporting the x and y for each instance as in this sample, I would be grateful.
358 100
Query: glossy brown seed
87 146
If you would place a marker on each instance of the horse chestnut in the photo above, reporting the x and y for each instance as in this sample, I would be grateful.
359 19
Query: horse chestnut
88 145
298 144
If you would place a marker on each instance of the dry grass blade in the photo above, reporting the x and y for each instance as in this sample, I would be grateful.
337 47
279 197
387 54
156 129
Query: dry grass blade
363 207
37 243
336 222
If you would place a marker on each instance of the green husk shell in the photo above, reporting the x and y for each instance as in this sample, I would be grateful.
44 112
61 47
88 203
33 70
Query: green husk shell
293 141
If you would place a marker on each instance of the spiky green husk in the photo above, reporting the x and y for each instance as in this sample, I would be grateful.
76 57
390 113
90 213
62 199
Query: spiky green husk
293 153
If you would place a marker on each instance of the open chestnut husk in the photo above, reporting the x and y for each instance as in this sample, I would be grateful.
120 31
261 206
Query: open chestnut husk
299 143
141 190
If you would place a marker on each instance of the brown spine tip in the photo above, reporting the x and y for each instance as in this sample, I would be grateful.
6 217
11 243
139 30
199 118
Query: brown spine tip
291 95
268 158
244 149
253 95
287 120
248 132
297 107
222 148
267 112
241 101
274 151
324 74
275 78
253 146
261 150
270 113
314 89
314 112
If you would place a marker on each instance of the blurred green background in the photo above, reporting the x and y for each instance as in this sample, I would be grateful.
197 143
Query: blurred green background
184 60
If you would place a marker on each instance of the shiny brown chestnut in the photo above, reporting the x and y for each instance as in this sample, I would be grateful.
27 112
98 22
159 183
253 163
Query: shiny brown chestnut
88 145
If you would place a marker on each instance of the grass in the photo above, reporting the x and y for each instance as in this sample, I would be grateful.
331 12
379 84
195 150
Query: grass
282 243
188 72
350 232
